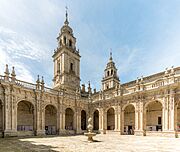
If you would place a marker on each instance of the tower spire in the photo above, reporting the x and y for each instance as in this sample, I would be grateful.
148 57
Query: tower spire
110 55
66 21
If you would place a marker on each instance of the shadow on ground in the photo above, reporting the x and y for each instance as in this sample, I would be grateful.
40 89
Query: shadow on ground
16 145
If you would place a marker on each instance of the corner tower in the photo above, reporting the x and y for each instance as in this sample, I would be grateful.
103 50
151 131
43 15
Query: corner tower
66 60
110 79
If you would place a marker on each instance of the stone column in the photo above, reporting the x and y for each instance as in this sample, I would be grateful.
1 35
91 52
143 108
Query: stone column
175 119
171 111
13 114
122 121
139 130
102 121
8 115
118 119
136 116
43 119
141 118
144 113
165 114
63 119
78 121
39 127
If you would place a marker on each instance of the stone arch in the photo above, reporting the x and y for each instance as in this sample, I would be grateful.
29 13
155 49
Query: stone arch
70 43
69 119
50 119
128 104
64 40
23 99
25 116
147 103
45 105
1 116
153 115
96 120
83 120
129 118
110 118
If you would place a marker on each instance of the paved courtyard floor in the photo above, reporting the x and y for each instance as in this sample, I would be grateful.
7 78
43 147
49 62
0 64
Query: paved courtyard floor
103 143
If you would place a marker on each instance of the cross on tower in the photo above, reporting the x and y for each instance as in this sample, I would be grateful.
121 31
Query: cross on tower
66 21
66 12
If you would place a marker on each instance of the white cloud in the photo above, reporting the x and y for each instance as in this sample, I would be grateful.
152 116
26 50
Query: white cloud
15 48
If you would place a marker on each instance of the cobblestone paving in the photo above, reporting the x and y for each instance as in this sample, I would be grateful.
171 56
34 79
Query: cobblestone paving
103 143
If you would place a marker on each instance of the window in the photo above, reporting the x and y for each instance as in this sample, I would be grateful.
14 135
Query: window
71 66
58 67
70 43
159 121
64 40
111 72
108 73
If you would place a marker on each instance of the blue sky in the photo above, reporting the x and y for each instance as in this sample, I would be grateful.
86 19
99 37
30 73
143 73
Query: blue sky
144 36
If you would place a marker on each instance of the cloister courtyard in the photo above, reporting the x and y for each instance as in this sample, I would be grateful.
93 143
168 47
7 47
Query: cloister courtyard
103 143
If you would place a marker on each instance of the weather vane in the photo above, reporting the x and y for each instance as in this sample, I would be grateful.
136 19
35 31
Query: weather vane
66 22
66 8
110 52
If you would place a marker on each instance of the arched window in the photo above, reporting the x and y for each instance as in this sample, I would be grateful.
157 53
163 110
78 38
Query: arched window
71 66
58 67
64 40
70 43
108 73
111 72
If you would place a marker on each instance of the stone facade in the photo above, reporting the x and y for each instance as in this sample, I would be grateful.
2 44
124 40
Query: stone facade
147 106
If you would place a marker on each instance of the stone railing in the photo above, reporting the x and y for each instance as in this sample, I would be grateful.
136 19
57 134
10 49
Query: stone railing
30 86
50 90
25 84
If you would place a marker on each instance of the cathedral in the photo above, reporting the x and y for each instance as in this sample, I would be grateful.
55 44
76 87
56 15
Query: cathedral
147 106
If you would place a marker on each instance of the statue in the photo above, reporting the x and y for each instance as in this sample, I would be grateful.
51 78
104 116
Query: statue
90 134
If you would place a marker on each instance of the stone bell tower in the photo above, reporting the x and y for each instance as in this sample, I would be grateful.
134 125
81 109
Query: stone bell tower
110 79
66 60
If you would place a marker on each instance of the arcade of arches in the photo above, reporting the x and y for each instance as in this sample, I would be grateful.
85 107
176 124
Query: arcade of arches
126 121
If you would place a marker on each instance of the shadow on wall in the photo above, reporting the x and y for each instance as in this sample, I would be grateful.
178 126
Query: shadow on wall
16 145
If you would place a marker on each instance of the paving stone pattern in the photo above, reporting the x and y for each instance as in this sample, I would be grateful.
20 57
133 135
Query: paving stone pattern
103 143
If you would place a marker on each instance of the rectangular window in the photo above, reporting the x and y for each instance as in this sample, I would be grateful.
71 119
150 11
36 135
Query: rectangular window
71 67
58 67
159 121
